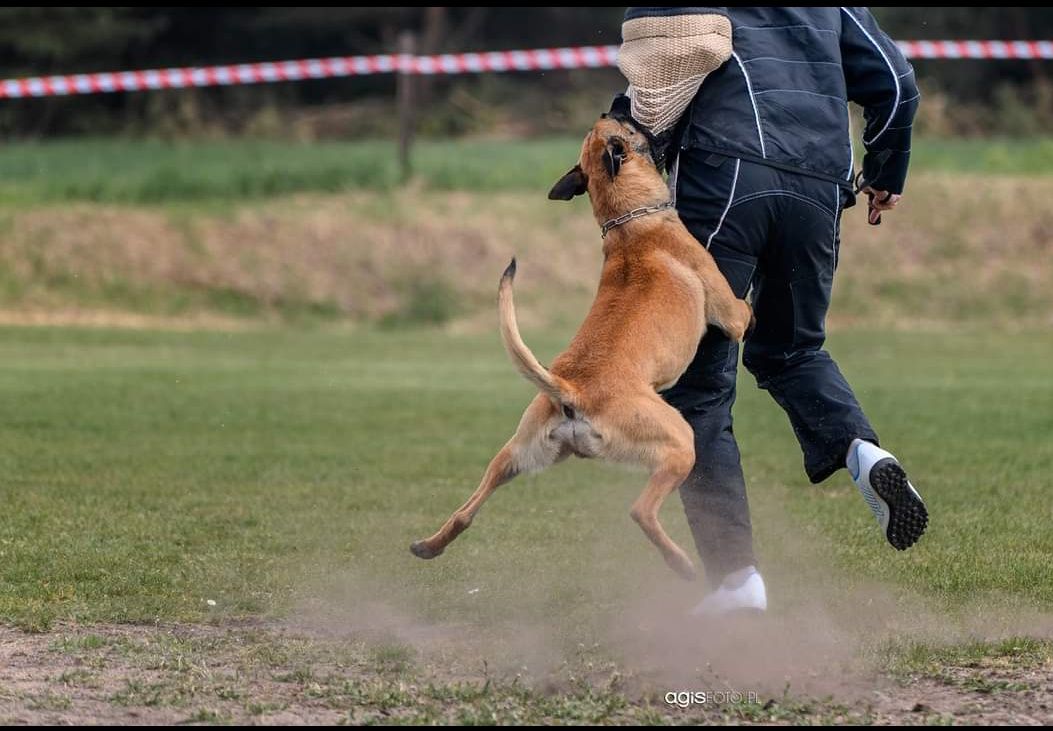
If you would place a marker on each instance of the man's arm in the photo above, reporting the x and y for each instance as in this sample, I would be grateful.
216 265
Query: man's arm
666 54
881 80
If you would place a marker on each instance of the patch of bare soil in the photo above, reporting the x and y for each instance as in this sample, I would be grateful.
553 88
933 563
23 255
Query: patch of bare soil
981 695
256 674
125 674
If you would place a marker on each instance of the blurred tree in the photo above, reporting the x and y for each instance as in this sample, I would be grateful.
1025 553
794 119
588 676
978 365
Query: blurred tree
971 79
41 40
1000 96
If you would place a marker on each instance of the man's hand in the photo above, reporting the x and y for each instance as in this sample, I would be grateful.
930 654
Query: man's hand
879 201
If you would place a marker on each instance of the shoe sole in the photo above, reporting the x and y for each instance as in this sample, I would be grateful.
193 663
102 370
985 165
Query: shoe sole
908 517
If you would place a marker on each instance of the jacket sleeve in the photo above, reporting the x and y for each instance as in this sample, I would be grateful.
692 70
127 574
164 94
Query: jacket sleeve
879 78
666 54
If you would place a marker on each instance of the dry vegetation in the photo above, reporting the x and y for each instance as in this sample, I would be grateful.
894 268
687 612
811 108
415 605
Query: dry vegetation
963 247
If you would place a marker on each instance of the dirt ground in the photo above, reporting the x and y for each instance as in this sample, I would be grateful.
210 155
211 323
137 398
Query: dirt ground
265 674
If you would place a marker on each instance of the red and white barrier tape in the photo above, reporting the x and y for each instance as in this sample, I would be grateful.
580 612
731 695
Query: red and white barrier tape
977 49
451 63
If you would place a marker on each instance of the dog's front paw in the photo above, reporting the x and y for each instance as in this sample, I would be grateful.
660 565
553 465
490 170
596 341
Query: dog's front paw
420 549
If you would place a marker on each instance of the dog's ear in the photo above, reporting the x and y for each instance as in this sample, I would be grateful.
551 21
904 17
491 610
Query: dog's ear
575 182
614 155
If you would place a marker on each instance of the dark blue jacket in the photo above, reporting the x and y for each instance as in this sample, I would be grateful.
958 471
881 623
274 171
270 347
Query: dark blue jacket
781 100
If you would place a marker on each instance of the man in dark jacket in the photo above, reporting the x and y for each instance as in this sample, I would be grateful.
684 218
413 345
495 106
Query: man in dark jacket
752 104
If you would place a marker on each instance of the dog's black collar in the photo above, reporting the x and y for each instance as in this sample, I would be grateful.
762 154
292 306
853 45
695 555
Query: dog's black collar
636 213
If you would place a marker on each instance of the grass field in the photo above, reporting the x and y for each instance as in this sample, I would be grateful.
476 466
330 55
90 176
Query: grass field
124 171
282 475
207 511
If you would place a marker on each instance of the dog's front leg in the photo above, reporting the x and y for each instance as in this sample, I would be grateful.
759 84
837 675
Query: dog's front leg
723 309
726 311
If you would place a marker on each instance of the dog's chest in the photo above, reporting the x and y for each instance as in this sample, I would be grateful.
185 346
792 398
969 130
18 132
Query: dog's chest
689 286
687 282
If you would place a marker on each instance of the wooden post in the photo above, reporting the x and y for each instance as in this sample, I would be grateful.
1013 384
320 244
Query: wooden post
406 111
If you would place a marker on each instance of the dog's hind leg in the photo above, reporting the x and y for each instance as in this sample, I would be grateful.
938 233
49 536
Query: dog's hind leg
501 470
671 472
528 451
664 441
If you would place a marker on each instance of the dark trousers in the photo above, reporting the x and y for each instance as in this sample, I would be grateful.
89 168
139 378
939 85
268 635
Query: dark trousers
776 233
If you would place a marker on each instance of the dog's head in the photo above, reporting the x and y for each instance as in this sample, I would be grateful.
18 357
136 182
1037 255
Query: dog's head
615 167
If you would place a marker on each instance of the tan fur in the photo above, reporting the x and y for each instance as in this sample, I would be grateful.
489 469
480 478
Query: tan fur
551 385
659 289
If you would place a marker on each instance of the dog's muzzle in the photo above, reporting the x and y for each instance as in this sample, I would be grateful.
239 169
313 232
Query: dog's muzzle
657 145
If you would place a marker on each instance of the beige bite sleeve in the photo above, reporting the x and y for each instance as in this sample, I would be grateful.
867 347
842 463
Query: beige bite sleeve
666 59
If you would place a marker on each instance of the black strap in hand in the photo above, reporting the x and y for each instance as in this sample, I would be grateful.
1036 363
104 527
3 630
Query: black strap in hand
881 158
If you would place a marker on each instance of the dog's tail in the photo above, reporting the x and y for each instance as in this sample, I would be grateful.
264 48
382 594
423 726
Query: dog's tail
556 388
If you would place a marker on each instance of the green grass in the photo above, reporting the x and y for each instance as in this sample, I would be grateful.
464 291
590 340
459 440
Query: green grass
282 474
124 171
916 657
150 172
128 171
990 156
142 474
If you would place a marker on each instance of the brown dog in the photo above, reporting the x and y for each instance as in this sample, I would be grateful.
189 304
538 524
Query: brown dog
658 291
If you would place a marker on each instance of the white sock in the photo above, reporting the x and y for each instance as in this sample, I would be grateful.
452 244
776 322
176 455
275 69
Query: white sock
742 589
737 578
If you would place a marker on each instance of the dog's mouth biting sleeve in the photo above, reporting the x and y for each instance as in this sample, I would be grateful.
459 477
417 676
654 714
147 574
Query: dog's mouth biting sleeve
666 54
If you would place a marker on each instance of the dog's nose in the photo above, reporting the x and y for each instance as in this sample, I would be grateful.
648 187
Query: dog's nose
603 116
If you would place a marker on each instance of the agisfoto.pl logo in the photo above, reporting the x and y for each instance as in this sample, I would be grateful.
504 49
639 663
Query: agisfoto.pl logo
688 698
